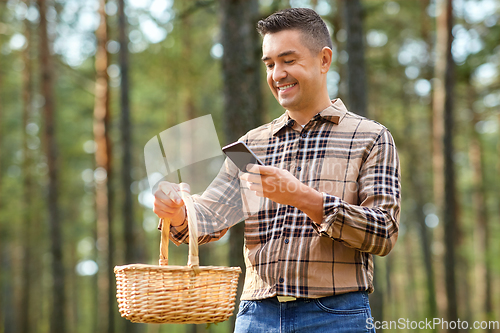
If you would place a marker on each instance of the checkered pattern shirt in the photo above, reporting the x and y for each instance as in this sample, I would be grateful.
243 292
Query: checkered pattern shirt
354 163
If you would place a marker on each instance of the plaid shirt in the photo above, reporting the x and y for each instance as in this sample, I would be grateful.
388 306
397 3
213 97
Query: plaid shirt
353 161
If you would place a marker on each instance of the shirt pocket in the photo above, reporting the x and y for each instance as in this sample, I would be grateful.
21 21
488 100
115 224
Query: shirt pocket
339 177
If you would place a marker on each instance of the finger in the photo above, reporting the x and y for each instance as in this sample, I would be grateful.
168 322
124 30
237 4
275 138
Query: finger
253 168
161 197
161 213
171 210
259 190
250 177
170 190
166 212
255 187
159 194
167 202
167 208
261 169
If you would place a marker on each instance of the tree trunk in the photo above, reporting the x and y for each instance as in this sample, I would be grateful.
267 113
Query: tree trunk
132 251
438 104
451 223
377 298
103 180
8 313
4 301
241 68
58 318
337 20
417 182
389 282
26 236
357 96
356 74
483 260
242 91
2 240
435 295
7 309
189 111
411 284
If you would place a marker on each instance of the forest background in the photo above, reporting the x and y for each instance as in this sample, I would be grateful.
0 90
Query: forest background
84 84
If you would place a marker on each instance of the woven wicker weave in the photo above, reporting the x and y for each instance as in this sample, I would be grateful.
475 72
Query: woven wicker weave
177 294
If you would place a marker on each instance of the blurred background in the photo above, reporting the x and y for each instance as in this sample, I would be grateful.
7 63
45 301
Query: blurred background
84 84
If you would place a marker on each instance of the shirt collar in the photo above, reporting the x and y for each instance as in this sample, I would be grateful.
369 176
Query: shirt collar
334 113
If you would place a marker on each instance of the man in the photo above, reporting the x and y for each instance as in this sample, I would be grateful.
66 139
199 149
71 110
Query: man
331 189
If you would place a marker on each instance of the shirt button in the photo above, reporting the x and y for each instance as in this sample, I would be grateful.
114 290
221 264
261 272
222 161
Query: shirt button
282 280
299 168
286 241
304 135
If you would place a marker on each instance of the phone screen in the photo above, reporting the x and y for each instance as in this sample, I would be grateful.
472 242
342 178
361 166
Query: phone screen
241 155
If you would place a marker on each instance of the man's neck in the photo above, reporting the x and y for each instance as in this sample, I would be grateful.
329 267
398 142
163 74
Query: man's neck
303 116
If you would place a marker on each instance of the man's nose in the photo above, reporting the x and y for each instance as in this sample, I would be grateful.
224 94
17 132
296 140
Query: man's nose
279 73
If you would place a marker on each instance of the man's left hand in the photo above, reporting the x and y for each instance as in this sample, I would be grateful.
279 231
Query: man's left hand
282 187
278 185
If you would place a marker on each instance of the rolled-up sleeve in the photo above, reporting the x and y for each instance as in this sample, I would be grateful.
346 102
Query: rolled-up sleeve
179 234
372 226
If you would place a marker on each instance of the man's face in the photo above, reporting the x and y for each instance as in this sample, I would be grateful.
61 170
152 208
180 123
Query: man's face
293 71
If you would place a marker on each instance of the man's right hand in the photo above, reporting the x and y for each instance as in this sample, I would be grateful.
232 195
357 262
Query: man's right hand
168 203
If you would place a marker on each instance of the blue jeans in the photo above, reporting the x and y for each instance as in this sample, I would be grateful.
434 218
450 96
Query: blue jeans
347 313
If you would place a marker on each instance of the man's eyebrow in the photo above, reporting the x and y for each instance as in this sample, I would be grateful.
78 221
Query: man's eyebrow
282 54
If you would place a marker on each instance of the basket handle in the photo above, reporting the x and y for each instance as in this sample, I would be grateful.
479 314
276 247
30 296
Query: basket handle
165 230
193 258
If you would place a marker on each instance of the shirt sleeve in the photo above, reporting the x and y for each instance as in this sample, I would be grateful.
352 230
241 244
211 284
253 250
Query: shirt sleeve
372 226
217 209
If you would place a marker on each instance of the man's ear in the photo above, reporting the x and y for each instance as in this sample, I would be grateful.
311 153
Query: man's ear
326 59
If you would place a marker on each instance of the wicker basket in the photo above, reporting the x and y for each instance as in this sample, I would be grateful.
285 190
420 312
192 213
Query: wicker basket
177 294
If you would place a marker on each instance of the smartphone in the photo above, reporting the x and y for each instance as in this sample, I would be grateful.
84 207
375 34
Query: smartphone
241 155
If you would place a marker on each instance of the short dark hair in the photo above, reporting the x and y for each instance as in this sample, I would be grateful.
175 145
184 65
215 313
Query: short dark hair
305 20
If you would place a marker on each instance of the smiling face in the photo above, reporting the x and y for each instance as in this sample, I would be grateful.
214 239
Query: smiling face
295 75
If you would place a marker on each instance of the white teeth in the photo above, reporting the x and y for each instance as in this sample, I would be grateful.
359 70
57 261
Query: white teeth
286 87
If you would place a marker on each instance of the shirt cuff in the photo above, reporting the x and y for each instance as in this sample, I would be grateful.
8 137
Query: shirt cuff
330 210
179 234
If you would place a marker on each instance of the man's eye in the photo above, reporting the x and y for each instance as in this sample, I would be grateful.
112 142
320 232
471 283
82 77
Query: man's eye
270 66
288 61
